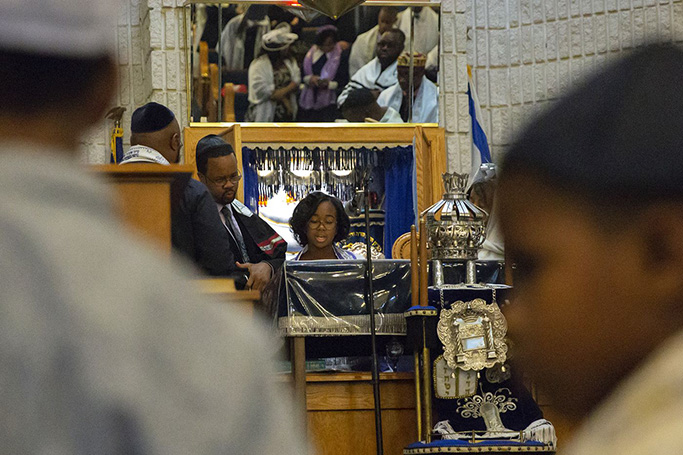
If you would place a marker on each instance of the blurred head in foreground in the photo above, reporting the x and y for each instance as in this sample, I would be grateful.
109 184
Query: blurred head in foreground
591 200
56 68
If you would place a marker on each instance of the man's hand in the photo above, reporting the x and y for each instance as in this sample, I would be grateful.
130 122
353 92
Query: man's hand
259 274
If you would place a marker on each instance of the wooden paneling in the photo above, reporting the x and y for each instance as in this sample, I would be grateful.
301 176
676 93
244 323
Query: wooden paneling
353 433
224 288
341 419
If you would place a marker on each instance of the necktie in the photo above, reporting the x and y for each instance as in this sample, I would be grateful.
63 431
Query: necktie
231 223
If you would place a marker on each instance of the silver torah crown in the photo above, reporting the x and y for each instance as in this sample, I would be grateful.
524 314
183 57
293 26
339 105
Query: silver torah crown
456 228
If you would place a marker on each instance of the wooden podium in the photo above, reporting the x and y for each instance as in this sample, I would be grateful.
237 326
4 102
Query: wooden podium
144 194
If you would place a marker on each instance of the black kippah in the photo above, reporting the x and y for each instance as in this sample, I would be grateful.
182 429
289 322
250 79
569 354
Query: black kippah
151 117
213 143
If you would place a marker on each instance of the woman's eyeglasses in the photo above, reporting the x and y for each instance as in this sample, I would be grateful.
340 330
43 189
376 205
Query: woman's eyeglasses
329 223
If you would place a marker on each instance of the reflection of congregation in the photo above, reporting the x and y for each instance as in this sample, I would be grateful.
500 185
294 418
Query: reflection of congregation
287 69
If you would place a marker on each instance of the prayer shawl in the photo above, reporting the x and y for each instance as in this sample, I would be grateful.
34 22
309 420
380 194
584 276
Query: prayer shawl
371 77
391 116
425 106
143 154
341 253
262 86
363 50
314 97
272 247
426 30
232 45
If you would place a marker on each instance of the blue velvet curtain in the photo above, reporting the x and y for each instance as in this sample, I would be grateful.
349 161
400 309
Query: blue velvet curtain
399 197
250 179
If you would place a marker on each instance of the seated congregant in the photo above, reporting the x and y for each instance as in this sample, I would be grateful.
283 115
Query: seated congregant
319 222
364 48
425 93
380 73
196 230
361 106
324 70
256 247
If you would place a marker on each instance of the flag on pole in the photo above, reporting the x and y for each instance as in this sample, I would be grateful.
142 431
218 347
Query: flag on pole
116 143
480 146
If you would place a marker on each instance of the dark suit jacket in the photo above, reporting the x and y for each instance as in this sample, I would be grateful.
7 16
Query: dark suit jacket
198 233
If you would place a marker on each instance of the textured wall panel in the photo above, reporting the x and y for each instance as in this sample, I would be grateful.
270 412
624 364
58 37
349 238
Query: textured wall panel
527 53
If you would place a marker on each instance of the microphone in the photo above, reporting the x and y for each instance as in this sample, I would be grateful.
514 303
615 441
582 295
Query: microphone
355 205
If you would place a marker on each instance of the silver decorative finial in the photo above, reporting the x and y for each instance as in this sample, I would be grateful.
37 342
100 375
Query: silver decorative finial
455 183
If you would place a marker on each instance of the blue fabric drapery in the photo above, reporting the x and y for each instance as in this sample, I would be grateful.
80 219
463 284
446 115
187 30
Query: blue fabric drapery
250 184
398 191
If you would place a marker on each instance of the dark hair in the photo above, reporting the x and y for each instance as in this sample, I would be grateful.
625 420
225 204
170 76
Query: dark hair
306 208
359 97
211 146
389 9
322 36
615 141
33 82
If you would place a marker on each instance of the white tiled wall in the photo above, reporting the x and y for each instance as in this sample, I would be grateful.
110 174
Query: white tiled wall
151 64
526 53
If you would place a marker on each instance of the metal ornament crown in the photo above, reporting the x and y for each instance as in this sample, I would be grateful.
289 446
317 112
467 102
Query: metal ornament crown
454 183
455 227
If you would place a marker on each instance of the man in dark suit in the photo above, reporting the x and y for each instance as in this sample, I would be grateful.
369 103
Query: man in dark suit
257 248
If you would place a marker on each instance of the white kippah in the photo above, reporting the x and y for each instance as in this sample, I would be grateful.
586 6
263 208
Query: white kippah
69 28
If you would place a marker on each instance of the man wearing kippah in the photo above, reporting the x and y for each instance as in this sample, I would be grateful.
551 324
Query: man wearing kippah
196 230
425 93
364 48
258 249
105 346
155 136
380 73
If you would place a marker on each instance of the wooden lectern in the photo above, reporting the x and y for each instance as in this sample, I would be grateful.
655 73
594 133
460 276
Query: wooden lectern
144 194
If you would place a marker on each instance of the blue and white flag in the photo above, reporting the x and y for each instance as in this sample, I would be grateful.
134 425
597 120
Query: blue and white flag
480 146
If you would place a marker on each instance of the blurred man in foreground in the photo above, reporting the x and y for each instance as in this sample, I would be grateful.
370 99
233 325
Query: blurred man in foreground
105 348
592 213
